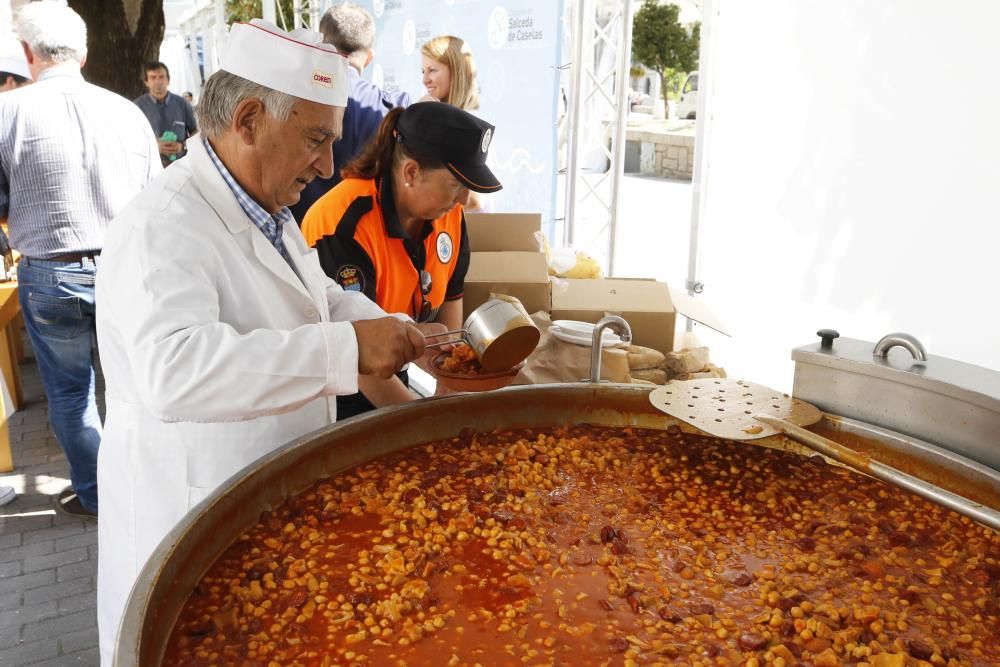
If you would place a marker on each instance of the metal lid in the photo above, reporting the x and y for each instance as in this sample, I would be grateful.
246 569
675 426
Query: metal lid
956 379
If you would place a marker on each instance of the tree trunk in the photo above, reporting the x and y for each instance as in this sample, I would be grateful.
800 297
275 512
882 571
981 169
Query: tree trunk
664 91
120 42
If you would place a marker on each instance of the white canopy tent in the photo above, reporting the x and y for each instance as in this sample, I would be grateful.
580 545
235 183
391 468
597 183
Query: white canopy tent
861 196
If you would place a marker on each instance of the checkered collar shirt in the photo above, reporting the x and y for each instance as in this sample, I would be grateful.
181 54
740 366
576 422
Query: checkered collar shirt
271 226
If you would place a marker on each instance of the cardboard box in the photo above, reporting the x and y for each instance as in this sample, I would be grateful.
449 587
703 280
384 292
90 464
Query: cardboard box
650 307
523 275
495 232
506 259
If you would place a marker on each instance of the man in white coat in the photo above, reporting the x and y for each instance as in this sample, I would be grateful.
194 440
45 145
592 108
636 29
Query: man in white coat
221 338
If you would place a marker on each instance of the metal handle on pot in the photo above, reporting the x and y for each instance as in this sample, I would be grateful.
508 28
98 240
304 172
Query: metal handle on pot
976 511
464 335
903 340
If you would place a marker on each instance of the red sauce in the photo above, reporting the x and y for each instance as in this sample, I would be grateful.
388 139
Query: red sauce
594 546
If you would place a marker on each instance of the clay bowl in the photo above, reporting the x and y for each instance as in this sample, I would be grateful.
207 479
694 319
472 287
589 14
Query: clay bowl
480 382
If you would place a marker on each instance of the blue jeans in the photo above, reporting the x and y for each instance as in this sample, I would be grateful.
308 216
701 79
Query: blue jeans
57 299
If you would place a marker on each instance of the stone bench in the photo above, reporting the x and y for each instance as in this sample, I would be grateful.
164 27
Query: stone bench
661 149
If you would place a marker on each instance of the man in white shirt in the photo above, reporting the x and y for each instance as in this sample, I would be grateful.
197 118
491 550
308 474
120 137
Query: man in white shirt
71 156
221 338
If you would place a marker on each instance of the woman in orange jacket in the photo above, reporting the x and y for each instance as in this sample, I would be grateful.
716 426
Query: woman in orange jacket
394 228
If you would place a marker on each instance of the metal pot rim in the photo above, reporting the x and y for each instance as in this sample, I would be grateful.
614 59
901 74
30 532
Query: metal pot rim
598 400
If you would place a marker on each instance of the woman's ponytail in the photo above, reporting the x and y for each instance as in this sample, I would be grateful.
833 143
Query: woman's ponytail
376 156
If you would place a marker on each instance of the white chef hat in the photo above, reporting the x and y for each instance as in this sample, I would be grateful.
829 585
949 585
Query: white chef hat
12 57
297 63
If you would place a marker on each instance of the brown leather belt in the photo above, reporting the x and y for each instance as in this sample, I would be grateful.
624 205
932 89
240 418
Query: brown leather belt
75 256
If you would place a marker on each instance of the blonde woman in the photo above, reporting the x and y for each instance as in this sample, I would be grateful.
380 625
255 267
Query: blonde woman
449 75
449 72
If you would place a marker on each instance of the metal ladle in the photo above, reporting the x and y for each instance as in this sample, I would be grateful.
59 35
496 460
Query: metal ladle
500 332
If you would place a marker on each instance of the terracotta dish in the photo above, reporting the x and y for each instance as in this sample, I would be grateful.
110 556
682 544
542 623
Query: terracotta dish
481 381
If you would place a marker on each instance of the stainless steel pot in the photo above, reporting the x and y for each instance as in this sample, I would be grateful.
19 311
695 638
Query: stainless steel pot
500 331
188 551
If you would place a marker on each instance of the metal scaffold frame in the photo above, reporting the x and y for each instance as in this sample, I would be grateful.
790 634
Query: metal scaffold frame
602 55
312 9
597 104
305 13
205 24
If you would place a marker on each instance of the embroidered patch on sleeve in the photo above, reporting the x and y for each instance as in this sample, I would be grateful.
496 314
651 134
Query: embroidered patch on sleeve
351 279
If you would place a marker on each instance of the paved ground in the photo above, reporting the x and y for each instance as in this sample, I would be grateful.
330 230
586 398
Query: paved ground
48 561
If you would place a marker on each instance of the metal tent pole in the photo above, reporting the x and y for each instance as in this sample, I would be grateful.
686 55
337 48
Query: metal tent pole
575 102
220 30
702 137
268 12
297 9
208 45
621 123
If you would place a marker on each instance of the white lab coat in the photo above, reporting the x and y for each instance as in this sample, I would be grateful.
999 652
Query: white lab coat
214 353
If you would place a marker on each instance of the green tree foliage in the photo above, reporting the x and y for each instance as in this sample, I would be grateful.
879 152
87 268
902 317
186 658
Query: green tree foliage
244 10
662 44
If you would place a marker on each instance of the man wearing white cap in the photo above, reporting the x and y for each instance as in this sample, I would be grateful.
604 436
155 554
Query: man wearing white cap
221 338
13 66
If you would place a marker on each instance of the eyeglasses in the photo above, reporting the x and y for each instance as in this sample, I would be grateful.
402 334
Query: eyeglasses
422 312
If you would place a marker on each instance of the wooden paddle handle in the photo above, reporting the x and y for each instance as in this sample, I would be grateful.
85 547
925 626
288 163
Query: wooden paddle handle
976 511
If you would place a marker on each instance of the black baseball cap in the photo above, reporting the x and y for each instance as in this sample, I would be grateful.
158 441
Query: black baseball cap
450 135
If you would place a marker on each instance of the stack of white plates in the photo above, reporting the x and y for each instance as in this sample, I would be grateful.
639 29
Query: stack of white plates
582 333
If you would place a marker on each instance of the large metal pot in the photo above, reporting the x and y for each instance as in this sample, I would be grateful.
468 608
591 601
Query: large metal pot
187 552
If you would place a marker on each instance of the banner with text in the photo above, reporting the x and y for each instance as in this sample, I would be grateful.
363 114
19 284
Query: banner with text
515 44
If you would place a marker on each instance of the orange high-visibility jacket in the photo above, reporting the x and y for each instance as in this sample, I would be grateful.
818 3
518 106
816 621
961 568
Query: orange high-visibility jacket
361 245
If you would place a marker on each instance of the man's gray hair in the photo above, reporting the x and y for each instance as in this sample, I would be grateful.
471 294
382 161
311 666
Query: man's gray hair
224 91
349 28
53 31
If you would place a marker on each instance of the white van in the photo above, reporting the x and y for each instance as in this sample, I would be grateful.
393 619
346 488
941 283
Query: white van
687 106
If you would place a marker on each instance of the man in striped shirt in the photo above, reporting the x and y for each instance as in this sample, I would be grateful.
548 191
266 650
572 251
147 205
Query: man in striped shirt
71 156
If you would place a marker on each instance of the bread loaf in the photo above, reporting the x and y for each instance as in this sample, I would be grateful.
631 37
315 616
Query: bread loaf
711 371
654 375
643 357
687 361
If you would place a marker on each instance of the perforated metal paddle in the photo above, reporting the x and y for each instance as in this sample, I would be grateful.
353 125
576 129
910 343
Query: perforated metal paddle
725 408
740 410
